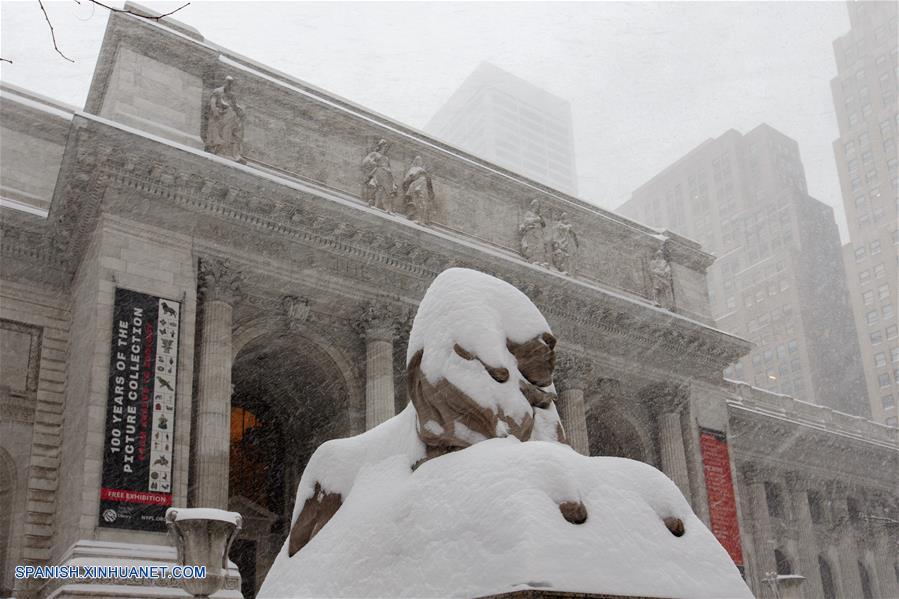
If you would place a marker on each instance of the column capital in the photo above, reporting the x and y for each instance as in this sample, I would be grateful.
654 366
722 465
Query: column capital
219 281
755 473
379 322
665 397
797 482
572 371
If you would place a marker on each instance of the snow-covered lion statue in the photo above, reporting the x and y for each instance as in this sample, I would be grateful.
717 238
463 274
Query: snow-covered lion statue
471 489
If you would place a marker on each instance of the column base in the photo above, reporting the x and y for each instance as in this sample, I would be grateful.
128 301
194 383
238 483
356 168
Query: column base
105 553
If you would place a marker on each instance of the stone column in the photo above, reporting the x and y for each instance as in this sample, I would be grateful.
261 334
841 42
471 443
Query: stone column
762 532
379 329
807 550
674 458
571 375
219 289
850 578
666 402
884 544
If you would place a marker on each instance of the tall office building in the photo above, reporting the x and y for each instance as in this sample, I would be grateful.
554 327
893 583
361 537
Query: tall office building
507 120
779 279
864 96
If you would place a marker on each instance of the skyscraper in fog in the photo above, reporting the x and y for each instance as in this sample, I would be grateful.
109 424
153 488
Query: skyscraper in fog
507 120
779 280
864 96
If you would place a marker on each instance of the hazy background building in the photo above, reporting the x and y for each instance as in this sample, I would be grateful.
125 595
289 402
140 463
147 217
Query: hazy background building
507 120
864 97
779 279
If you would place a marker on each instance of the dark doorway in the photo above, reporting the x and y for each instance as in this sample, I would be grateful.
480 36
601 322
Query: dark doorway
288 398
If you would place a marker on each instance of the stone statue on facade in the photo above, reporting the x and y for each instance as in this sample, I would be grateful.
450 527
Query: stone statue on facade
224 123
661 283
564 246
418 192
378 186
532 238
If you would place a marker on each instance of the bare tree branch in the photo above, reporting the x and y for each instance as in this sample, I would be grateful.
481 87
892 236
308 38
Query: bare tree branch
52 34
137 14
107 7
5 60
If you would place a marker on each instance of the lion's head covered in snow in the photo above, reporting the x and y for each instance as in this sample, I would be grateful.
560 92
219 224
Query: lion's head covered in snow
480 364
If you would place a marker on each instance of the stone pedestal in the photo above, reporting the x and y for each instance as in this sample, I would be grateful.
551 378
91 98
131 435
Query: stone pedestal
219 286
88 552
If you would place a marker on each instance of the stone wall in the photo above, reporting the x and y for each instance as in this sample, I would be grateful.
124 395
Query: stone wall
296 130
31 423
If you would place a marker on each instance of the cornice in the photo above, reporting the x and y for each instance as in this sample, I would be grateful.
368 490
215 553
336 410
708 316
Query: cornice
268 206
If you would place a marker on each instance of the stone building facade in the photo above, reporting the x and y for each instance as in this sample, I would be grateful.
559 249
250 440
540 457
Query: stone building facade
285 225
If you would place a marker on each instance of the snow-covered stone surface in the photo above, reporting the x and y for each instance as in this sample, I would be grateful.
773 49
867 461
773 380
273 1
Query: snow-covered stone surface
486 520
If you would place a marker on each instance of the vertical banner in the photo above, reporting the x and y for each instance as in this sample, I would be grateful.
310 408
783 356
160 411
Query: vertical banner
720 485
136 486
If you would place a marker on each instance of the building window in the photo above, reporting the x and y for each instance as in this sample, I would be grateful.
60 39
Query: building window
860 252
883 292
891 421
876 338
864 276
868 297
880 360
875 247
894 354
872 317
883 380
888 402
892 331
879 271
887 311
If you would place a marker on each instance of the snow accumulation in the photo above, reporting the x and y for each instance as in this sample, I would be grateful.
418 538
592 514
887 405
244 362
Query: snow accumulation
205 513
486 520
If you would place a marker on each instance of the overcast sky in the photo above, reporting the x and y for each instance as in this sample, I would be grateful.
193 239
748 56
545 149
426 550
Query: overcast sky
647 82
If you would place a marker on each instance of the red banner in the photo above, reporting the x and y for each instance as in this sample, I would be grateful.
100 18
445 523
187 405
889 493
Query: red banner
720 485
143 497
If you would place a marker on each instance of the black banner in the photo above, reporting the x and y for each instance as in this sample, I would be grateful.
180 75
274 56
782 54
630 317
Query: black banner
140 412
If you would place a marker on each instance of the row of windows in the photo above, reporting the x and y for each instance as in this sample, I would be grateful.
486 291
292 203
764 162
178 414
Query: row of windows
864 276
891 332
872 317
884 381
873 249
880 358
883 293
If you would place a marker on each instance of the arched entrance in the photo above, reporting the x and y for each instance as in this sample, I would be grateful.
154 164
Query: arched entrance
288 397
612 434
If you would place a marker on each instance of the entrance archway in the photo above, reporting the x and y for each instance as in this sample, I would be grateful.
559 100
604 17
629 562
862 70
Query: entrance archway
288 397
612 434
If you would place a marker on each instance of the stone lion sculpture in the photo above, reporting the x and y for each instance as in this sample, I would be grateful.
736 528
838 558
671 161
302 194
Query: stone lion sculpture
479 365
